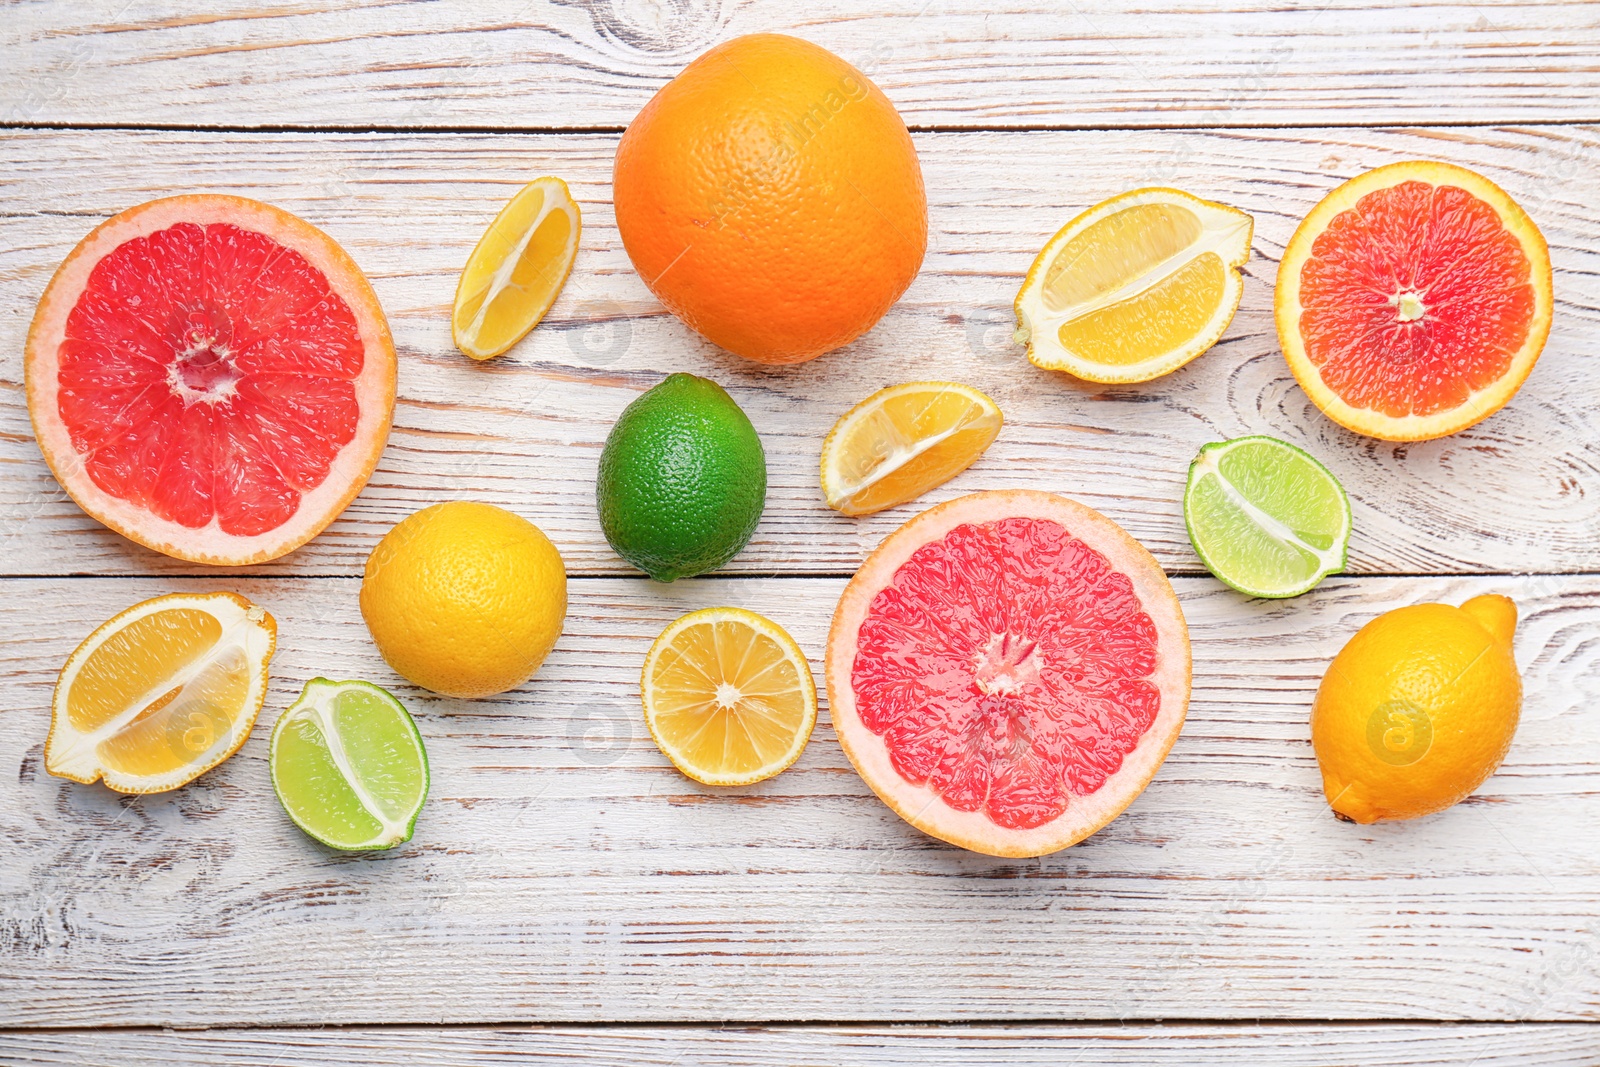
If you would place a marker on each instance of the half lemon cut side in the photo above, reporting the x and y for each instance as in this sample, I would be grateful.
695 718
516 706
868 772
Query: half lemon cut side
1135 287
161 693
728 696
517 269
902 441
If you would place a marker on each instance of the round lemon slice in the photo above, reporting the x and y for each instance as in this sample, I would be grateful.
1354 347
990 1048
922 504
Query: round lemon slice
1134 287
728 696
517 269
161 693
902 441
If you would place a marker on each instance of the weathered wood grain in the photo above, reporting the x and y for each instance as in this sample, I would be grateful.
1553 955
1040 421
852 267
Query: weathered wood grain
549 63
1356 1045
562 871
1520 492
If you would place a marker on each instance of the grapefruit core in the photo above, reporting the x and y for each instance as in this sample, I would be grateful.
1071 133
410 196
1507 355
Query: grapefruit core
211 377
1008 670
1413 301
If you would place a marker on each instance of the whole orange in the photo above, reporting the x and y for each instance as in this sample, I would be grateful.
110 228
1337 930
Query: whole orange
771 198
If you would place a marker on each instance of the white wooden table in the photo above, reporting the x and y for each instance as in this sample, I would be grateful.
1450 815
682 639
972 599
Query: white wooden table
567 893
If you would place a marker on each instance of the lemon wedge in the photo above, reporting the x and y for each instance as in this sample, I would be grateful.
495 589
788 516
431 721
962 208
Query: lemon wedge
1134 287
902 441
517 269
728 696
161 693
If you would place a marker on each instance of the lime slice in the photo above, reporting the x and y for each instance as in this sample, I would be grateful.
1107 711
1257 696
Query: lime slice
1265 517
348 765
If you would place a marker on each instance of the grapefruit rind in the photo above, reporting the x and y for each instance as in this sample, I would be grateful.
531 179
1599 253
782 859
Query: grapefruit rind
375 386
258 634
921 806
1478 405
1226 231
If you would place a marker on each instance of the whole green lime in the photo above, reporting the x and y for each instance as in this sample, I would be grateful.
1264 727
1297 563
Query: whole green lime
682 481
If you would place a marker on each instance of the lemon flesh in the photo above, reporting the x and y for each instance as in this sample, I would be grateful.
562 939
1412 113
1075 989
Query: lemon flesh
349 766
728 696
1135 287
902 441
162 692
517 269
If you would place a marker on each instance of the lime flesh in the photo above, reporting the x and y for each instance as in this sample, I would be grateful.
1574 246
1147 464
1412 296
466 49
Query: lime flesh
1265 517
348 765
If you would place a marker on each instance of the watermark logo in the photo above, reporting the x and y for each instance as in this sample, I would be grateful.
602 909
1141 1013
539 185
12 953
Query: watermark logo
1399 733
991 335
601 332
600 736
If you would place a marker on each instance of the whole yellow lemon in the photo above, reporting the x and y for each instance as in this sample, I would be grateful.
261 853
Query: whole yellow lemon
1418 709
465 599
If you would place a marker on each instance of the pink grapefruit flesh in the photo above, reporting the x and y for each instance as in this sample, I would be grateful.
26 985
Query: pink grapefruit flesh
1008 670
211 377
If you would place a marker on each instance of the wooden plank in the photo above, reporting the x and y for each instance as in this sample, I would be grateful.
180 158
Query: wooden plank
562 871
1482 1045
546 63
1521 492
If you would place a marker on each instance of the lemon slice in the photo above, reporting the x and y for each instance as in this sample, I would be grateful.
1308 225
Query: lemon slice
728 696
517 269
1134 287
161 693
902 441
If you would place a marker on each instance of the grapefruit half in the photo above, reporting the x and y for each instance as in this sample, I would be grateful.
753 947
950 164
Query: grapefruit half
1008 670
211 377
1413 301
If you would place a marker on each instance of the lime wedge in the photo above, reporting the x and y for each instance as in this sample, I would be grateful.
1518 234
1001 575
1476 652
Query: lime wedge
348 765
1265 517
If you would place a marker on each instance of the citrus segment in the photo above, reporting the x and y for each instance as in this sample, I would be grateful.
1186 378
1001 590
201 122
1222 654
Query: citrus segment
1413 301
1265 517
728 696
349 766
1135 287
161 693
517 269
211 377
1007 671
902 441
